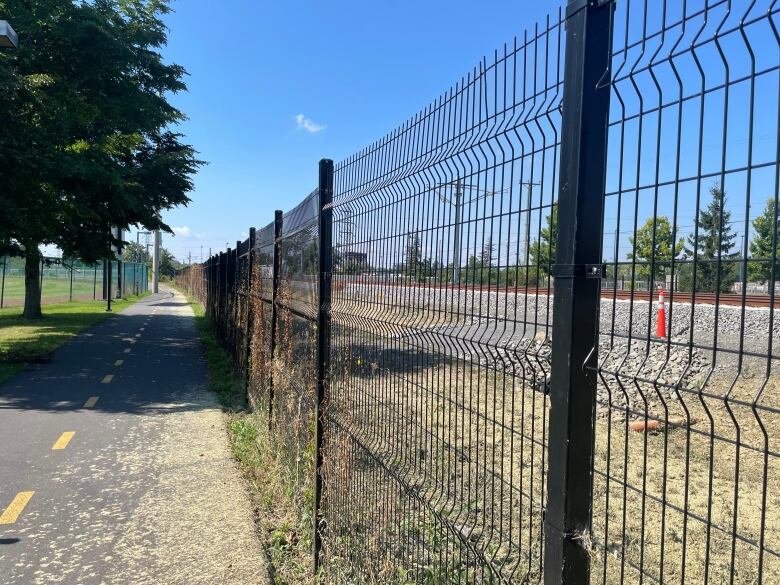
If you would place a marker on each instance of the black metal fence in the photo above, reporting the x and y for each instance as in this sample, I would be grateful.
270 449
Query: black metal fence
456 339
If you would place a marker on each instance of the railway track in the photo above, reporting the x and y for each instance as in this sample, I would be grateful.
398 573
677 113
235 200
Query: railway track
730 299
701 298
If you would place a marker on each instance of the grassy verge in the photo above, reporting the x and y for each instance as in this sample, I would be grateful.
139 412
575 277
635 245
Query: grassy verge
23 341
222 381
277 510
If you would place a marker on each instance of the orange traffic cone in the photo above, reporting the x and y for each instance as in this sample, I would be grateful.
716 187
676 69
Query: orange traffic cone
660 325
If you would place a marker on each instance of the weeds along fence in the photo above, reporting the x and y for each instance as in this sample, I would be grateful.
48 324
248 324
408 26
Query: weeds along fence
65 279
457 389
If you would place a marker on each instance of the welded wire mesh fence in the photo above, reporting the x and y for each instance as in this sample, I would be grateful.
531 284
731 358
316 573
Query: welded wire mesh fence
462 356
63 279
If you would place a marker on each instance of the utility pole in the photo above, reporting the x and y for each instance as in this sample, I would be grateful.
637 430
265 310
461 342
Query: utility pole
527 240
458 203
156 263
189 258
456 254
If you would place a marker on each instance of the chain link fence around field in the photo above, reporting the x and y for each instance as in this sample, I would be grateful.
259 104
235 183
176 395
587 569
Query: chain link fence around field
64 280
455 337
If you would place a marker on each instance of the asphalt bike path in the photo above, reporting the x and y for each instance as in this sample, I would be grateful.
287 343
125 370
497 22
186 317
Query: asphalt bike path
115 465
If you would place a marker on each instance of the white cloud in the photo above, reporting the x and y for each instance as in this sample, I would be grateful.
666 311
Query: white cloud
184 232
308 124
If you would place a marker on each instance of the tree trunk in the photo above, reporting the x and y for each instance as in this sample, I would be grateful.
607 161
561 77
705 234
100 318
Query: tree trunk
32 282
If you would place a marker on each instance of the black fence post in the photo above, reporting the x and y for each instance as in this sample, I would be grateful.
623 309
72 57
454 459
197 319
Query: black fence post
577 292
236 267
250 266
275 279
108 291
223 297
207 285
2 285
70 290
323 341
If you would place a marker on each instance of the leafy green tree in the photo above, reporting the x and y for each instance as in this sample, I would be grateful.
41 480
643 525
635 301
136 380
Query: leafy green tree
169 265
659 255
767 233
715 238
542 251
87 140
134 252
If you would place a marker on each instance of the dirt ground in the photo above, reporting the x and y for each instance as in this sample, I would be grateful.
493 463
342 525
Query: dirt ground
440 467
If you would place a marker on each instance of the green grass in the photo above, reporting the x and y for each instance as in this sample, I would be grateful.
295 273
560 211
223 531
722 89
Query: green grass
52 287
222 381
24 341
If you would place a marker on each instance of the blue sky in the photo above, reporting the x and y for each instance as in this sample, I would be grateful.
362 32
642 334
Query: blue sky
353 69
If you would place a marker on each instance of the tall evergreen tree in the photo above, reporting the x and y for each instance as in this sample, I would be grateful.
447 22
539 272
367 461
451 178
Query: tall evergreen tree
488 251
715 241
87 140
413 255
766 236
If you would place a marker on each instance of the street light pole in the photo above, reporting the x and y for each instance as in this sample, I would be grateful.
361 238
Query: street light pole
8 40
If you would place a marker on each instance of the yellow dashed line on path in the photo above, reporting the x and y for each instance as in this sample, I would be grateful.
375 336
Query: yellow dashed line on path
118 363
127 350
91 401
138 335
63 441
107 378
16 507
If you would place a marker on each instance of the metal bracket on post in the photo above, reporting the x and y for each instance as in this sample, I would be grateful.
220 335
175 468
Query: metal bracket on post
323 342
578 271
275 279
567 519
